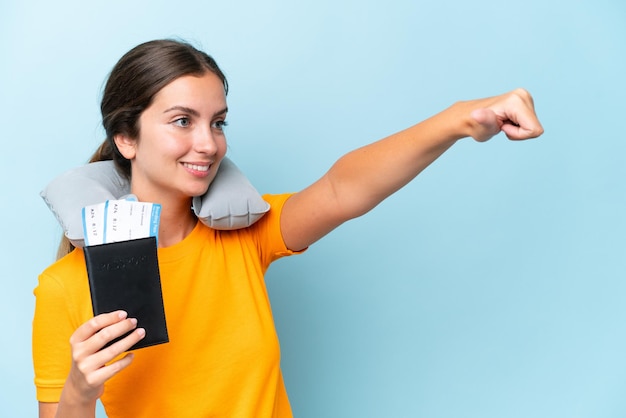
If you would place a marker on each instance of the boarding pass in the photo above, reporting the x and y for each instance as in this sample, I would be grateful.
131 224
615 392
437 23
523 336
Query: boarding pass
120 220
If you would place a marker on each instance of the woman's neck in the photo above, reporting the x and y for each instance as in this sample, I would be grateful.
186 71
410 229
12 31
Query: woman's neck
177 221
173 228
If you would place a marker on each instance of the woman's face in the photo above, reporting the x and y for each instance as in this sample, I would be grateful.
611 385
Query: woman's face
181 140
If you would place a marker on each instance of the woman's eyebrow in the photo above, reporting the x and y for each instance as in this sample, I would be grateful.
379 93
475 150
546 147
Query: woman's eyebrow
221 112
183 109
191 111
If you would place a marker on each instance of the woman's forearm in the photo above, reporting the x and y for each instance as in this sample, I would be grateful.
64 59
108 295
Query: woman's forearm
366 176
361 179
71 405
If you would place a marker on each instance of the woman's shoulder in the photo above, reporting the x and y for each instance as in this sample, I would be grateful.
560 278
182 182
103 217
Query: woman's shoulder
64 281
70 266
269 223
276 201
270 219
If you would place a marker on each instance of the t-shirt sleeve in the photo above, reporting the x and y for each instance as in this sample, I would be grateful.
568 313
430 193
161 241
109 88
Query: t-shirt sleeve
268 228
52 329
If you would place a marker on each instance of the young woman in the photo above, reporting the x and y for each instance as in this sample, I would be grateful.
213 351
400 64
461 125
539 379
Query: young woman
164 109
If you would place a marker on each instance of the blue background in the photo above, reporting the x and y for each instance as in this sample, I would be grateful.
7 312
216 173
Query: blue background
491 286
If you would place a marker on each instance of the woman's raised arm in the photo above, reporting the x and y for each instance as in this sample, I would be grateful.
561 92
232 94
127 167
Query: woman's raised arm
361 179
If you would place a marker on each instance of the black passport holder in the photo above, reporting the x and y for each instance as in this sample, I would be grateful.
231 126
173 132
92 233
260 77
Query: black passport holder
125 275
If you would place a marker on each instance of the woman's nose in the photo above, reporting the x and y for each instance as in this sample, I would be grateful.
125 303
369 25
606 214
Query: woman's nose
205 142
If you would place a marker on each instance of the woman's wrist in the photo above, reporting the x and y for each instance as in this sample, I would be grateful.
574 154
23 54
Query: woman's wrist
73 403
448 126
460 123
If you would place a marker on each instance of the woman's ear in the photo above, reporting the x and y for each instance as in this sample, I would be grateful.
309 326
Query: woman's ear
125 145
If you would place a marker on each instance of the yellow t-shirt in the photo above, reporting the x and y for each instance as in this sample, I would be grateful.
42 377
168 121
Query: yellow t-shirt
223 358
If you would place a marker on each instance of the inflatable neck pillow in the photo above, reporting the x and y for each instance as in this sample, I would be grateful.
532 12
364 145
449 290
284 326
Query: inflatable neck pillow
231 202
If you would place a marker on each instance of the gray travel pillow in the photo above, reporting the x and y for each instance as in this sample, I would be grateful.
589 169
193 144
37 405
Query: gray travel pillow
231 202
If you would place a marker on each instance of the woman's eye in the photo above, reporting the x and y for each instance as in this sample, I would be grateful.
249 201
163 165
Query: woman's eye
182 122
220 124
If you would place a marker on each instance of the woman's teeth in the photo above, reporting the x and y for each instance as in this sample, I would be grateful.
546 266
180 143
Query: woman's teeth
197 167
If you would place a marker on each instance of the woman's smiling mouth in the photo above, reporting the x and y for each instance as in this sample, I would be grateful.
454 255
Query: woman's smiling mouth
196 167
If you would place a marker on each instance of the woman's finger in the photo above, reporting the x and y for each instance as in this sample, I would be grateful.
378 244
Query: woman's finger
95 324
90 353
